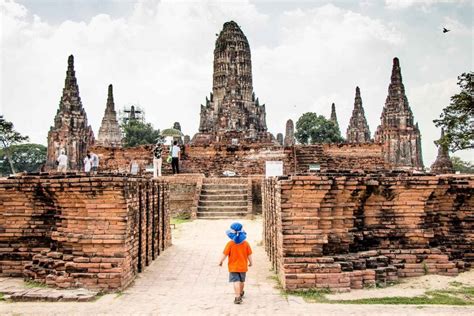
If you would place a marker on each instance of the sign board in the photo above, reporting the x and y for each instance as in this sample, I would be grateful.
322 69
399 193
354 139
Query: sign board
134 168
273 168
314 167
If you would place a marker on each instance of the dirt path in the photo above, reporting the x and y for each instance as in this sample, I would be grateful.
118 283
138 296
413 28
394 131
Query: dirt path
186 280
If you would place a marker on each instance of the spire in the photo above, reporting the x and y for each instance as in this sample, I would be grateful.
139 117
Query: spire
110 100
397 132
333 115
358 129
110 134
443 163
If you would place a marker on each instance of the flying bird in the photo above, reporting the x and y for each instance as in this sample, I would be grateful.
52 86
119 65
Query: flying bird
445 30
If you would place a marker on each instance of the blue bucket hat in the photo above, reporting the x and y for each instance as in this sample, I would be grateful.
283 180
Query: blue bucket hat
236 233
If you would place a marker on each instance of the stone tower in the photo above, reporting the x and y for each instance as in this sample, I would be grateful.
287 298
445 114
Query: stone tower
289 134
398 134
358 129
232 106
443 163
110 134
333 115
280 139
70 132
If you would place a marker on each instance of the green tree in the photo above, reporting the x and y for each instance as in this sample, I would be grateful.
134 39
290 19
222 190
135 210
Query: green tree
9 137
139 133
461 165
312 128
457 118
25 157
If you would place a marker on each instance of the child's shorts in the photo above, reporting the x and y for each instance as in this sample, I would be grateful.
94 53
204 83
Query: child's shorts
237 276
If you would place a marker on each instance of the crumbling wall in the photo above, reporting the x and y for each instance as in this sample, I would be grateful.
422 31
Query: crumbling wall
96 232
185 190
345 231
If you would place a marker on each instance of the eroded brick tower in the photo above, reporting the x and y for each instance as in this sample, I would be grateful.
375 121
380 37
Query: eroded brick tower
110 134
358 129
70 132
398 134
232 106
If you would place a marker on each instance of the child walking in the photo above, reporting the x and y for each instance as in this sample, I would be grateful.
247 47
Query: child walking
240 258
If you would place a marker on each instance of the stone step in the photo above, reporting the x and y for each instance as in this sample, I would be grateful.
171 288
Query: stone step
223 197
224 192
221 215
223 186
226 181
211 204
222 209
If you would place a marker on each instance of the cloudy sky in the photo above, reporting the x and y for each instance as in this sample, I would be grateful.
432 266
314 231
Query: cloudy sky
305 54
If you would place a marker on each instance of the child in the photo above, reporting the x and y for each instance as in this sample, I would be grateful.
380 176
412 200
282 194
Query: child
240 254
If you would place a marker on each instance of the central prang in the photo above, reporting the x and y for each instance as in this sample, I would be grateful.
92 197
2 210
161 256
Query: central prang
232 111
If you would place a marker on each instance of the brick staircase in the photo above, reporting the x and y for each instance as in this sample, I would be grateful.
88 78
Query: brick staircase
311 154
223 198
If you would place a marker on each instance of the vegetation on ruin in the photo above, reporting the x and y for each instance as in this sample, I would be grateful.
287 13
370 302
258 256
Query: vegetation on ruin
454 296
139 133
312 129
457 118
30 284
177 221
461 165
9 137
462 296
25 157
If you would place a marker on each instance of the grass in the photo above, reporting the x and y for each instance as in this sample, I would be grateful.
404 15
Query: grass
30 284
458 296
1 297
177 221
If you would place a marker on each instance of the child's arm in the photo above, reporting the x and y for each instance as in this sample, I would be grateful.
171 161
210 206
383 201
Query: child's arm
222 259
250 260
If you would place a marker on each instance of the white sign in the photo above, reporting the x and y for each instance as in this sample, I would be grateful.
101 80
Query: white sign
273 168
134 168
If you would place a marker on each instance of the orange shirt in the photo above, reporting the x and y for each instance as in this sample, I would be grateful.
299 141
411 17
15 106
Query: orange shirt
238 256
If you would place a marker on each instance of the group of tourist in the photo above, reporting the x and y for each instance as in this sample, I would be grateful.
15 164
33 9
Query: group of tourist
173 158
91 161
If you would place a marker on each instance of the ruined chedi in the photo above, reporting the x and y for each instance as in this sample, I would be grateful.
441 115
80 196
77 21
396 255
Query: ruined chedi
70 132
280 139
289 134
333 115
232 106
398 134
443 163
110 134
358 129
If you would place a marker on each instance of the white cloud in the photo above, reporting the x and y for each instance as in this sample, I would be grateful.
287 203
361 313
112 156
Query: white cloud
403 4
160 56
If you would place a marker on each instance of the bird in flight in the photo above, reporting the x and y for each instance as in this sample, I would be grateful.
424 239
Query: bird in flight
445 30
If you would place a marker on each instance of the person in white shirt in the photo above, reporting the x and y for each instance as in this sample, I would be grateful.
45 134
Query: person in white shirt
94 161
157 158
175 156
62 162
87 163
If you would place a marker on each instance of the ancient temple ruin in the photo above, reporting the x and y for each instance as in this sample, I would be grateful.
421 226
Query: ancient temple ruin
442 164
333 117
110 134
358 129
232 109
71 132
398 134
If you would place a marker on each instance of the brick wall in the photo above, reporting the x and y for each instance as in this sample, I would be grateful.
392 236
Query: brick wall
82 231
349 230
184 194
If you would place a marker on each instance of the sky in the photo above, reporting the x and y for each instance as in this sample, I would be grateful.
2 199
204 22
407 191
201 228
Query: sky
305 56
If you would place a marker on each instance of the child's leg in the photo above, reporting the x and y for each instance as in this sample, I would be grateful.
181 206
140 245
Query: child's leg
237 286
241 287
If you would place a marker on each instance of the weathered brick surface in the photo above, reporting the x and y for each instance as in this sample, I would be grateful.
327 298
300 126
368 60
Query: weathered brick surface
348 230
80 231
185 191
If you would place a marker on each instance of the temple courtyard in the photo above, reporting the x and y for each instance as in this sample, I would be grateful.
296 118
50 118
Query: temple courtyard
186 280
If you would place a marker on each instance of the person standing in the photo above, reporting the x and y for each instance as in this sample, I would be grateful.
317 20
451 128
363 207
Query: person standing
157 158
94 162
87 163
62 162
175 157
